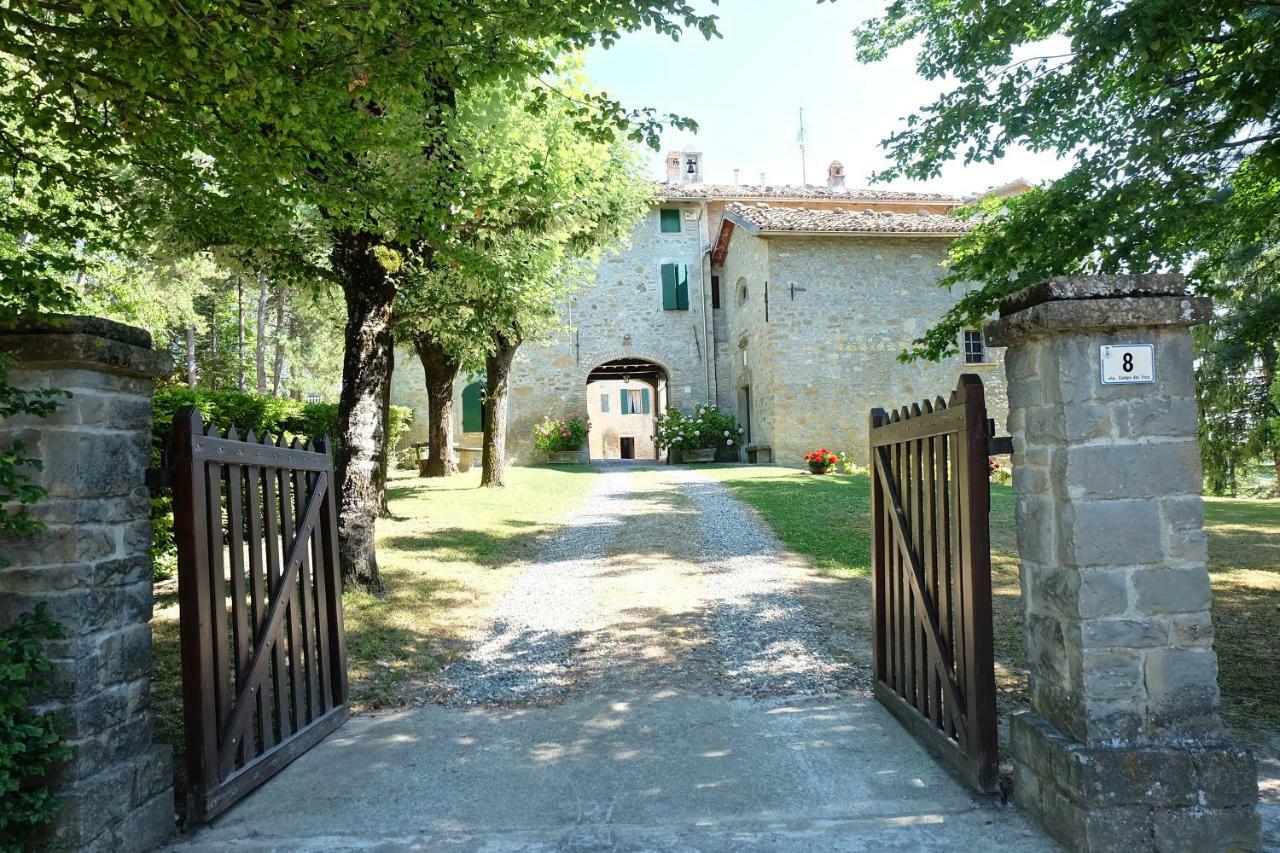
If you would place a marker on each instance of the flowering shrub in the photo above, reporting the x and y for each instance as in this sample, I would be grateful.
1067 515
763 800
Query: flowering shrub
555 434
848 466
707 427
821 461
997 473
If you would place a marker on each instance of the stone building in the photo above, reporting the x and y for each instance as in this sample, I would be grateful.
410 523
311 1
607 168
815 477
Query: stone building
785 305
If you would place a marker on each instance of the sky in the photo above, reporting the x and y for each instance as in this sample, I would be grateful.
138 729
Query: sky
776 57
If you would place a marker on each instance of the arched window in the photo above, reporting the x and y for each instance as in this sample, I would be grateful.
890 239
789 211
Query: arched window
742 291
473 407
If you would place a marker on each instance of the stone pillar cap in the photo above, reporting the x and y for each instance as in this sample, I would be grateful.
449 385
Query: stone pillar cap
70 341
1077 303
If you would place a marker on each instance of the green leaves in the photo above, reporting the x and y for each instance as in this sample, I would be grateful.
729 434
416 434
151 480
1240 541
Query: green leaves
30 746
1160 105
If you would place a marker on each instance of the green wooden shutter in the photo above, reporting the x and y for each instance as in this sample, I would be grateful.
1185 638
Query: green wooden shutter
622 399
682 289
669 277
472 411
670 219
644 401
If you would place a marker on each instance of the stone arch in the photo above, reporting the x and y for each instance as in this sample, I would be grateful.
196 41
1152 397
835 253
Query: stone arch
626 394
616 355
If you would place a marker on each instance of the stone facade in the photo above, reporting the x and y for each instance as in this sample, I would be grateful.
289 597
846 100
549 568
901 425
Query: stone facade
92 570
1123 748
840 310
805 377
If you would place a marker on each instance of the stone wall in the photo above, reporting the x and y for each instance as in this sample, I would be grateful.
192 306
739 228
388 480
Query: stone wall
815 370
619 316
829 353
92 570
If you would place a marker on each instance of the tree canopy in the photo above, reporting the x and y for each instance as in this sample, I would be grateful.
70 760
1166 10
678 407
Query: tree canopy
1168 112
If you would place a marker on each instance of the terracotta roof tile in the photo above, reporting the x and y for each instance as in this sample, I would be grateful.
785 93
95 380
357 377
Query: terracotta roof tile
677 192
801 220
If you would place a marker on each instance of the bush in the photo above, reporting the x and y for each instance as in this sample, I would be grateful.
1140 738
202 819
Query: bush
557 434
29 743
265 415
707 427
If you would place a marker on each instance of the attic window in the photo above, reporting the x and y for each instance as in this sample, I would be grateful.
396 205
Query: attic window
669 219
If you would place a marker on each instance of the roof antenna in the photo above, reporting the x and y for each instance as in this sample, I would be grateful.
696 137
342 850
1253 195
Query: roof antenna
804 177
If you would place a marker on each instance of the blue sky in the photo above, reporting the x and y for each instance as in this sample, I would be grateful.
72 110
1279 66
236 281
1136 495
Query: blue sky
746 90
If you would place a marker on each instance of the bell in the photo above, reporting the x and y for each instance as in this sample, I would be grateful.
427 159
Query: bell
693 168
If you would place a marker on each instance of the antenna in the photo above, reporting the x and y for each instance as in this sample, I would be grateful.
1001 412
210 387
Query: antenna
804 177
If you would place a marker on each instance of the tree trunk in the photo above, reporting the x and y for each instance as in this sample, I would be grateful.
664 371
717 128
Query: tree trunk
213 348
191 355
384 447
260 342
440 369
366 372
278 378
497 375
240 334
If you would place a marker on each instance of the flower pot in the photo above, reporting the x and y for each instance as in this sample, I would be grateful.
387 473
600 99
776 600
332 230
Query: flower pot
564 457
818 468
699 454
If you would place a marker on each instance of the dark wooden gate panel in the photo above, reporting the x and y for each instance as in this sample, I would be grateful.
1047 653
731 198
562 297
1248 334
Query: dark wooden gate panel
931 587
264 664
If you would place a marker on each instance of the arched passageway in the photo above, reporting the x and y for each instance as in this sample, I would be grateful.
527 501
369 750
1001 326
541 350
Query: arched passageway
625 396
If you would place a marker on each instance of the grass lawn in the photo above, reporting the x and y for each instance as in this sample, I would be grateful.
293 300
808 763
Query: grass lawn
826 518
448 550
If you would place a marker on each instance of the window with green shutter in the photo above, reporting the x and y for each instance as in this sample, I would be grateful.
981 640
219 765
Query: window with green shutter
669 217
623 408
644 401
604 403
675 287
473 408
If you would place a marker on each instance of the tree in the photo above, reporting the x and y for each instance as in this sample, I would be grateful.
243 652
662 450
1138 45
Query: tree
547 199
1160 105
244 112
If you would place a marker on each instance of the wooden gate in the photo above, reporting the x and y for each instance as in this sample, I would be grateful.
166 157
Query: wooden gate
264 665
931 590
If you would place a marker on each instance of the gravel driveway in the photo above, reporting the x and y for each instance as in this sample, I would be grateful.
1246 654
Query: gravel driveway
662 578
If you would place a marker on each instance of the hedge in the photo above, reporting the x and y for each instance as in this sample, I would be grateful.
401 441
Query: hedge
264 414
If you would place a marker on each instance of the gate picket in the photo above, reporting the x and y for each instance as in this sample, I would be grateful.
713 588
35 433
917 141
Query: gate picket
256 701
933 648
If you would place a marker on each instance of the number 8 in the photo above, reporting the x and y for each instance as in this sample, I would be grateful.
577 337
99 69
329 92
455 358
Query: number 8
1128 362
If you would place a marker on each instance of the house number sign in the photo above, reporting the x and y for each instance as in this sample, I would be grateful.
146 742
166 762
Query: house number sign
1128 364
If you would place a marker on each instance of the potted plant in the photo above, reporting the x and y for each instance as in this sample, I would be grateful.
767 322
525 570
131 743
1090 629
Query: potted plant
821 461
561 438
697 437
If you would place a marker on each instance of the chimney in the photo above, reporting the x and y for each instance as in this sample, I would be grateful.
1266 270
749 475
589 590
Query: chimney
673 167
763 183
835 176
735 177
690 167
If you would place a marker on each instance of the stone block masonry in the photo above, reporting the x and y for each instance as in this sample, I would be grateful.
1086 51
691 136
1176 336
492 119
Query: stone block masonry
92 570
1123 748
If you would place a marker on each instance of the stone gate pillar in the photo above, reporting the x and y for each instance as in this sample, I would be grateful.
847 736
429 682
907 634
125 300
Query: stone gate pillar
92 569
1123 748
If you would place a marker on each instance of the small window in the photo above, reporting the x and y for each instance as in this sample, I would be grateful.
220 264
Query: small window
634 401
742 294
975 349
604 403
669 217
675 287
715 291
